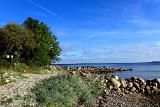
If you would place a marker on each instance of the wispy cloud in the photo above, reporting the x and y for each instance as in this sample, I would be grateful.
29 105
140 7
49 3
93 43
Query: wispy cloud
49 11
122 53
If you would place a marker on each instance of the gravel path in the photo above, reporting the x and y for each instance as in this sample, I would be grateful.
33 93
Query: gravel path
21 86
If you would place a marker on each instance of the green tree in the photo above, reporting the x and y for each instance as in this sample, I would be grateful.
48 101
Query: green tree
47 49
16 40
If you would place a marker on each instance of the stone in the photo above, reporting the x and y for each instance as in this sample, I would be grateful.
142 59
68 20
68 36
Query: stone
110 87
142 86
133 78
116 77
130 85
123 82
154 88
158 81
7 80
106 92
148 89
136 85
115 83
133 89
142 80
142 90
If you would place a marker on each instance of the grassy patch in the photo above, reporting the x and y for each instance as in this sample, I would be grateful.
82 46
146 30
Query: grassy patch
64 90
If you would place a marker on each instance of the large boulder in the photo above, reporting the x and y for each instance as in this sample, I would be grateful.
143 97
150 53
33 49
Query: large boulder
116 84
130 85
123 82
133 78
148 89
136 85
133 89
158 81
142 80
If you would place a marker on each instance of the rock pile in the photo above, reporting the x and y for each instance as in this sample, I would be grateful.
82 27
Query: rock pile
133 85
93 69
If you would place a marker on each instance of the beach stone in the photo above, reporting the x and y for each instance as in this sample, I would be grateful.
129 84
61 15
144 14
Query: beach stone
148 89
154 88
133 89
136 85
130 85
123 82
142 86
115 83
142 80
133 78
142 90
158 81
116 77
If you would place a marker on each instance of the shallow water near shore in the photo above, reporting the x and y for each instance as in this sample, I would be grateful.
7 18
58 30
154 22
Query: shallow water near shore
143 70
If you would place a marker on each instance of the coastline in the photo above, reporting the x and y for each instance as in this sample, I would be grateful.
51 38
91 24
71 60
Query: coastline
118 90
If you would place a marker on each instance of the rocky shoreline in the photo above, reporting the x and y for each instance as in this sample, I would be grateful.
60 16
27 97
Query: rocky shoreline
126 86
120 92
93 69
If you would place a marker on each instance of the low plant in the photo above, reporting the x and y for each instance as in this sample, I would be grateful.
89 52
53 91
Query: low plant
64 90
21 67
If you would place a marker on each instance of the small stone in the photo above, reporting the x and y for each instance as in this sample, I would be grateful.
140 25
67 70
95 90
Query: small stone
7 80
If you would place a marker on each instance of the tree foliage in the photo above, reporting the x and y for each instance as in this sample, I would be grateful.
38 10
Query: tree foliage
32 43
48 48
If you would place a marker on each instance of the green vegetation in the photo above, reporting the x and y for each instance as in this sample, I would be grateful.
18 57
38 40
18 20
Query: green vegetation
31 43
64 90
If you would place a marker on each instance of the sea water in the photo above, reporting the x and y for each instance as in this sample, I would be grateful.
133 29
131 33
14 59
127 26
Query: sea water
143 70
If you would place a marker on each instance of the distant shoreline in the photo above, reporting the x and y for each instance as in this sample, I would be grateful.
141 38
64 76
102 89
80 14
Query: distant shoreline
105 63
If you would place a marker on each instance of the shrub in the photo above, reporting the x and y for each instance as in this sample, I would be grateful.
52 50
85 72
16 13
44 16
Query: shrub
64 90
21 67
4 63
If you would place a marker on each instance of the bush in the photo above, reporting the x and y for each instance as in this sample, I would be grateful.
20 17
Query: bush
64 90
21 67
4 63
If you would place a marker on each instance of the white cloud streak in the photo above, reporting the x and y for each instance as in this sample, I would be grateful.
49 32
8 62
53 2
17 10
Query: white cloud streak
49 11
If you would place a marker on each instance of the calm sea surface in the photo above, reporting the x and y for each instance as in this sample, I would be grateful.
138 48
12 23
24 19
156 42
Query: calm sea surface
143 70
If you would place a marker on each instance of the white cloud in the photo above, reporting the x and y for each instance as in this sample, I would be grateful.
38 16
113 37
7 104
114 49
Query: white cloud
122 53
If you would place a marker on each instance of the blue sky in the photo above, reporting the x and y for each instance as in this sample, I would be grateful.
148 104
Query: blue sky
95 30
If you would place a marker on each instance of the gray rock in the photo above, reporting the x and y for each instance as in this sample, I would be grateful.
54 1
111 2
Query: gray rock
142 90
123 82
136 85
148 89
133 78
130 85
133 89
142 86
158 81
142 80
115 83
